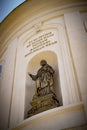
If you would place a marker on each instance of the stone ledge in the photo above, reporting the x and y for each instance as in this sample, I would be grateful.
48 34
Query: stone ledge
78 128
73 114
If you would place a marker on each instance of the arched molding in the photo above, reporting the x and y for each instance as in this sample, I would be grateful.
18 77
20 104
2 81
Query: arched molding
17 29
63 54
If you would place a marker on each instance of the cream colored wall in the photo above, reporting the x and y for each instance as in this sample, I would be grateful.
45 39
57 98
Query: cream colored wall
7 82
70 50
78 45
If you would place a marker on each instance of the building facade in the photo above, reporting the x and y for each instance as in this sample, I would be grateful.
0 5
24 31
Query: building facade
56 31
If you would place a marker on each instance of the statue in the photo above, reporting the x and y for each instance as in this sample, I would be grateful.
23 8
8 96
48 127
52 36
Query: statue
44 79
45 97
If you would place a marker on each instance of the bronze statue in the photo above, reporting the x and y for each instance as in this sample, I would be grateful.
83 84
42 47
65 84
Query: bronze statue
44 79
45 97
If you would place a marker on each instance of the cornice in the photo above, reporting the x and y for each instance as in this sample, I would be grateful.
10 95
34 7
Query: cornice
50 114
31 11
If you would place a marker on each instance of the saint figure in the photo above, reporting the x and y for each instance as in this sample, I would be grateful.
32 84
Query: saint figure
44 79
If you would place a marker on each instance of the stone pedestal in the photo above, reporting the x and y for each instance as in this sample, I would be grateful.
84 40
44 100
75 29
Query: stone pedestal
42 104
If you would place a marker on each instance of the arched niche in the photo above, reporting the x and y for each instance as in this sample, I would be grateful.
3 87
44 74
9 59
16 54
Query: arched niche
32 67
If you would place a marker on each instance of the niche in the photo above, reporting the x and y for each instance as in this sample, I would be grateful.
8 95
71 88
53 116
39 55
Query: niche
32 67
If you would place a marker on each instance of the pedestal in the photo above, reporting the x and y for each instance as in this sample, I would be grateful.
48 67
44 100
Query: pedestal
42 104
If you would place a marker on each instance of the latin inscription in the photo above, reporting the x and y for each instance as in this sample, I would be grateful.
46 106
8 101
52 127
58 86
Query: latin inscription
40 42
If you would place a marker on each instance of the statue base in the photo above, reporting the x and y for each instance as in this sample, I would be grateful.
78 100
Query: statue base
43 103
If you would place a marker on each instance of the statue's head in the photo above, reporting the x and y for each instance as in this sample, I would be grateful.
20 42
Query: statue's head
43 62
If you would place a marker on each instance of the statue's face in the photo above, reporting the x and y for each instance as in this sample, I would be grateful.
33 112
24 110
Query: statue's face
43 62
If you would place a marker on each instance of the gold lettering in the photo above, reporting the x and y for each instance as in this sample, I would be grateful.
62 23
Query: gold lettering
40 42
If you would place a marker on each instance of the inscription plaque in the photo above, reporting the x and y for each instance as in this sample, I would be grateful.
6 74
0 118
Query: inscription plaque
40 42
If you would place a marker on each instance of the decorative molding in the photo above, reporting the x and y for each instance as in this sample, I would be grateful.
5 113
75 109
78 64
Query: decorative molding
17 29
60 27
51 113
38 26
52 13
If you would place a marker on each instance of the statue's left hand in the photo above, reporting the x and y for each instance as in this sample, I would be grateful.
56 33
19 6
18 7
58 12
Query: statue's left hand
30 74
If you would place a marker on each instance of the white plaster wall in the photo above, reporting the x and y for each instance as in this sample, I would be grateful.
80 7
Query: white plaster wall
78 44
8 61
17 108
